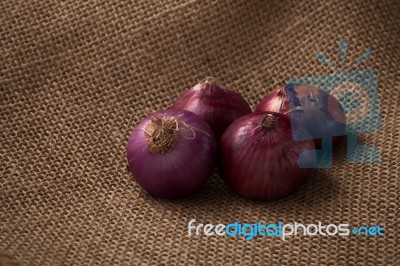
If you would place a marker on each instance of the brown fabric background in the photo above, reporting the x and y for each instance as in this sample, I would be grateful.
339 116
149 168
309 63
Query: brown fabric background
75 76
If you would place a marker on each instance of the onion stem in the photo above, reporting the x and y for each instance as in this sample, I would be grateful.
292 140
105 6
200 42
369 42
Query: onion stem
269 123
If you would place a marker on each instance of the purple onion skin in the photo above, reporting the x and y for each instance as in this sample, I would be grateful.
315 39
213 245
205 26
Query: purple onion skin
263 164
218 106
182 170
320 113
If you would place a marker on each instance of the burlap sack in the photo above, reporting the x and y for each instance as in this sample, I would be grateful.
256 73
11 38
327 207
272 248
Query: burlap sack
75 76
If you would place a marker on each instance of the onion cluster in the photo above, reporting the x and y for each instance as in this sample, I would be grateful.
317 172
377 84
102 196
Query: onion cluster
263 155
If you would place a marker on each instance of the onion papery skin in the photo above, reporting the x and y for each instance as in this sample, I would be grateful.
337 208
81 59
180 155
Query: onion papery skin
264 164
218 106
308 105
181 170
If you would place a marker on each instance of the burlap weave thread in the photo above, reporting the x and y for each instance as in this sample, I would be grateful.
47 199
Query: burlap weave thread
75 76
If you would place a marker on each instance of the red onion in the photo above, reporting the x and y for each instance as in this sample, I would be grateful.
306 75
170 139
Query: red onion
318 111
218 106
171 153
260 159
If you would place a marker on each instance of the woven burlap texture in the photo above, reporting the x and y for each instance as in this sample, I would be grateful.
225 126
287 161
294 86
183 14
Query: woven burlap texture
75 76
